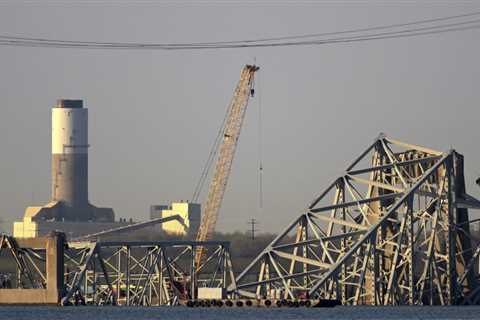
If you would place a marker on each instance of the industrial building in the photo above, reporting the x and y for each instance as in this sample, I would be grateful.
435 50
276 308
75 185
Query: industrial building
189 213
69 209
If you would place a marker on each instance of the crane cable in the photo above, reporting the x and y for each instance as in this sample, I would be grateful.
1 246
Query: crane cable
211 157
210 160
260 147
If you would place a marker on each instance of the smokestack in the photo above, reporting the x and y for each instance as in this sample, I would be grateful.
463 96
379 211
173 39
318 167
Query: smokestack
70 165
70 153
69 209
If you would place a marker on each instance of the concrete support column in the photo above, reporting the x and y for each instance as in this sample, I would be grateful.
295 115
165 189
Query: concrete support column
55 245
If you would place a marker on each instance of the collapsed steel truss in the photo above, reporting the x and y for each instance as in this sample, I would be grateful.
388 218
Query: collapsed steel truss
144 273
392 230
134 273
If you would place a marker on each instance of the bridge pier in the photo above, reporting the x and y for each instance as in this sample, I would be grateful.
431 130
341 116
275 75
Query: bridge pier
46 289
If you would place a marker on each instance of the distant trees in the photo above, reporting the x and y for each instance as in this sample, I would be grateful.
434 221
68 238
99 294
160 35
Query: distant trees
242 248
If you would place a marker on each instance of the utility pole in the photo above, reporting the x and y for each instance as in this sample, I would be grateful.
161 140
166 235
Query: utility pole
253 222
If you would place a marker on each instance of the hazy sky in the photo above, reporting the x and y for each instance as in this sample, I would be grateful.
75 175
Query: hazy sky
154 114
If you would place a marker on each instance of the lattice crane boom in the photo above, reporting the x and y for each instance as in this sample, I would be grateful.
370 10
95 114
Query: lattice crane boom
231 133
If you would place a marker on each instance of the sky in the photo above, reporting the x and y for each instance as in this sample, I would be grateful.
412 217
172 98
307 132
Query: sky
153 115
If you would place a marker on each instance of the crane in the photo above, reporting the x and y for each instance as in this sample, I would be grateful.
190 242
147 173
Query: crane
231 133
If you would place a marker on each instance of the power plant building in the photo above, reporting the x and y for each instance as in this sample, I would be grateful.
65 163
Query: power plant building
189 213
69 209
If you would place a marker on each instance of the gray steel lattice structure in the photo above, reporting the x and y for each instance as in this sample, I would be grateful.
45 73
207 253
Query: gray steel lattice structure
134 273
392 230
143 273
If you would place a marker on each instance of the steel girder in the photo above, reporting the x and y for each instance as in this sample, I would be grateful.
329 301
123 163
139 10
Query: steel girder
386 232
143 273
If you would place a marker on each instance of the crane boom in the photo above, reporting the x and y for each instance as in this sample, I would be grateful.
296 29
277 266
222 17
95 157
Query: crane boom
231 132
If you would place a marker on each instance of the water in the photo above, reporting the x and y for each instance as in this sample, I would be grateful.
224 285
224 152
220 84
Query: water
183 313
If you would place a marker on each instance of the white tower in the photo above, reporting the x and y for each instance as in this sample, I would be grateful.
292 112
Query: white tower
70 153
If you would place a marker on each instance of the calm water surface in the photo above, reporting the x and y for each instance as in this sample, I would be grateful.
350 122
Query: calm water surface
181 313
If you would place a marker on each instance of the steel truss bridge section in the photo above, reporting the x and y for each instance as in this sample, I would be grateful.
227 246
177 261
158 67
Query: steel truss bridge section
134 273
393 229
143 273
